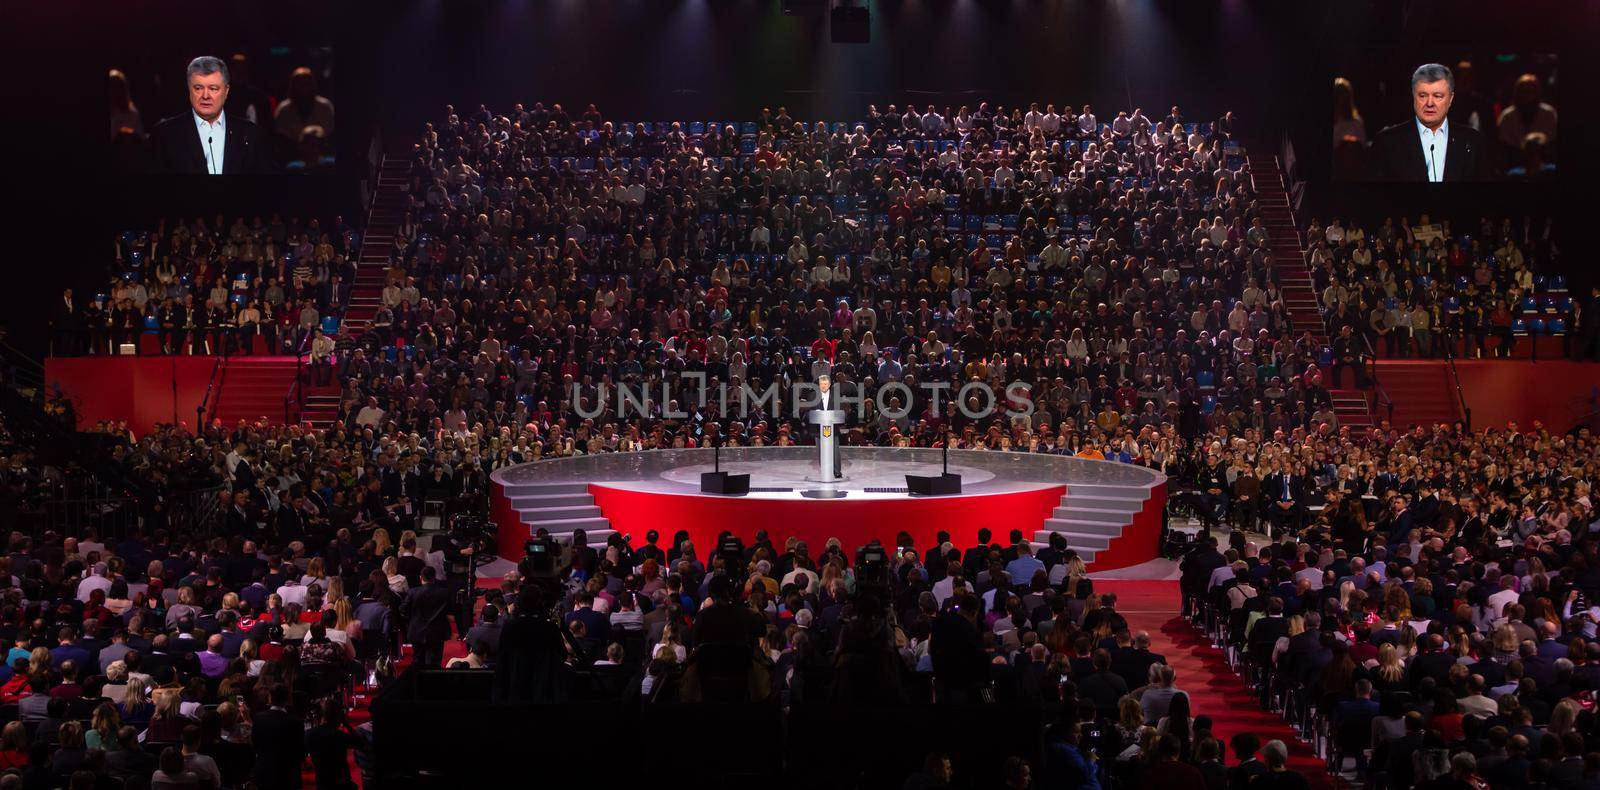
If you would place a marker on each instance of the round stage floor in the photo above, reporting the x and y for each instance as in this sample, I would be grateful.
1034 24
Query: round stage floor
1109 512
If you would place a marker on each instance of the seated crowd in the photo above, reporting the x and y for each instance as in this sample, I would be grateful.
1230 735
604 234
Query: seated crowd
1120 268
1433 617
1426 289
198 286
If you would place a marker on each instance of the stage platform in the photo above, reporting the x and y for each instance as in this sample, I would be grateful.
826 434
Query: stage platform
1110 512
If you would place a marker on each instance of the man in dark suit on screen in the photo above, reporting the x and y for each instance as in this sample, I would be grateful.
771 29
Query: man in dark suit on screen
207 140
1429 147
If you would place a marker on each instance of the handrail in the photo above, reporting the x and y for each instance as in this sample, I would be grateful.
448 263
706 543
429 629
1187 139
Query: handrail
1455 378
1380 395
22 355
296 393
214 382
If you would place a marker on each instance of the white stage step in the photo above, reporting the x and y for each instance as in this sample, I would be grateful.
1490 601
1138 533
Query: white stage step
1093 514
1119 492
550 500
1079 540
544 515
564 526
1079 525
533 489
1104 503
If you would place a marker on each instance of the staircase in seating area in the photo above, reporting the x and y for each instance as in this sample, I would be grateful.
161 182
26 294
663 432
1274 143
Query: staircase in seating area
1422 391
1290 265
387 211
1093 517
560 508
253 388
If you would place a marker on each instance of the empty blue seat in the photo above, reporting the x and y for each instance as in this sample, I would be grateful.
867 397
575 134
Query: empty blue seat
330 325
1557 325
697 128
150 323
749 127
1519 325
1530 304
1536 326
1558 282
1208 404
1205 379
1325 359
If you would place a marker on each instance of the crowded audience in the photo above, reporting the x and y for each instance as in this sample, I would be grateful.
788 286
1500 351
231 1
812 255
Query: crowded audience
1427 289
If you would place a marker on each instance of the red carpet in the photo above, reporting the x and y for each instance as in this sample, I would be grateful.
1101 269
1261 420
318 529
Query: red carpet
1214 689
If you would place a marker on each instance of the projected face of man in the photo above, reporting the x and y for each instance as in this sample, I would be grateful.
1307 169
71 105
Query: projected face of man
207 94
1431 101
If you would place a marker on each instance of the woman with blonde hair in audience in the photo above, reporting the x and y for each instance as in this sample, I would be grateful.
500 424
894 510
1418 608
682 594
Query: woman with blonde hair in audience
391 572
314 573
1389 675
135 707
1564 718
381 543
168 721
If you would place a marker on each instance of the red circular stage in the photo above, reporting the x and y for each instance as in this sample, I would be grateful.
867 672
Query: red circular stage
1109 512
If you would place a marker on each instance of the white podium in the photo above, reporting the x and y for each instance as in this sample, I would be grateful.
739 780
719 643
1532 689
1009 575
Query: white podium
826 421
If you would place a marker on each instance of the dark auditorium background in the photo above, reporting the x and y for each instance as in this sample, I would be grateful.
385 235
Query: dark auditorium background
1271 62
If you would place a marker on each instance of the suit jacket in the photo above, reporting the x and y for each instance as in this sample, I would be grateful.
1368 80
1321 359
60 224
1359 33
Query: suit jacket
176 148
1397 154
425 609
1274 487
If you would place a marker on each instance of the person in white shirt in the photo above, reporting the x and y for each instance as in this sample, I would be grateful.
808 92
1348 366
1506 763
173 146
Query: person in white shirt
1507 595
1087 124
100 579
292 590
1050 122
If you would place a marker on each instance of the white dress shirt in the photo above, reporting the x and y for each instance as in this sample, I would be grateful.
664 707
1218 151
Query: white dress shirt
1440 141
213 140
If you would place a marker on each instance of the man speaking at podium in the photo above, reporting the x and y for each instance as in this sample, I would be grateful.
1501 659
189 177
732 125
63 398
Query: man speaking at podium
1429 147
208 140
828 400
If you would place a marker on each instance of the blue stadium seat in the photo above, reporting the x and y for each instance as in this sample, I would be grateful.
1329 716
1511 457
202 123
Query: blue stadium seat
151 324
1205 379
1557 325
1536 326
1208 404
1519 325
1558 282
1452 304
1530 304
1325 359
330 325
697 128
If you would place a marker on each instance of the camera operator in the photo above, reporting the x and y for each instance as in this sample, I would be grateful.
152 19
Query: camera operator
459 547
537 651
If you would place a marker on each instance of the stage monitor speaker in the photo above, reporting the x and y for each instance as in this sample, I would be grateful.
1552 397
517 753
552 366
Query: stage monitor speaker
933 485
724 483
851 24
